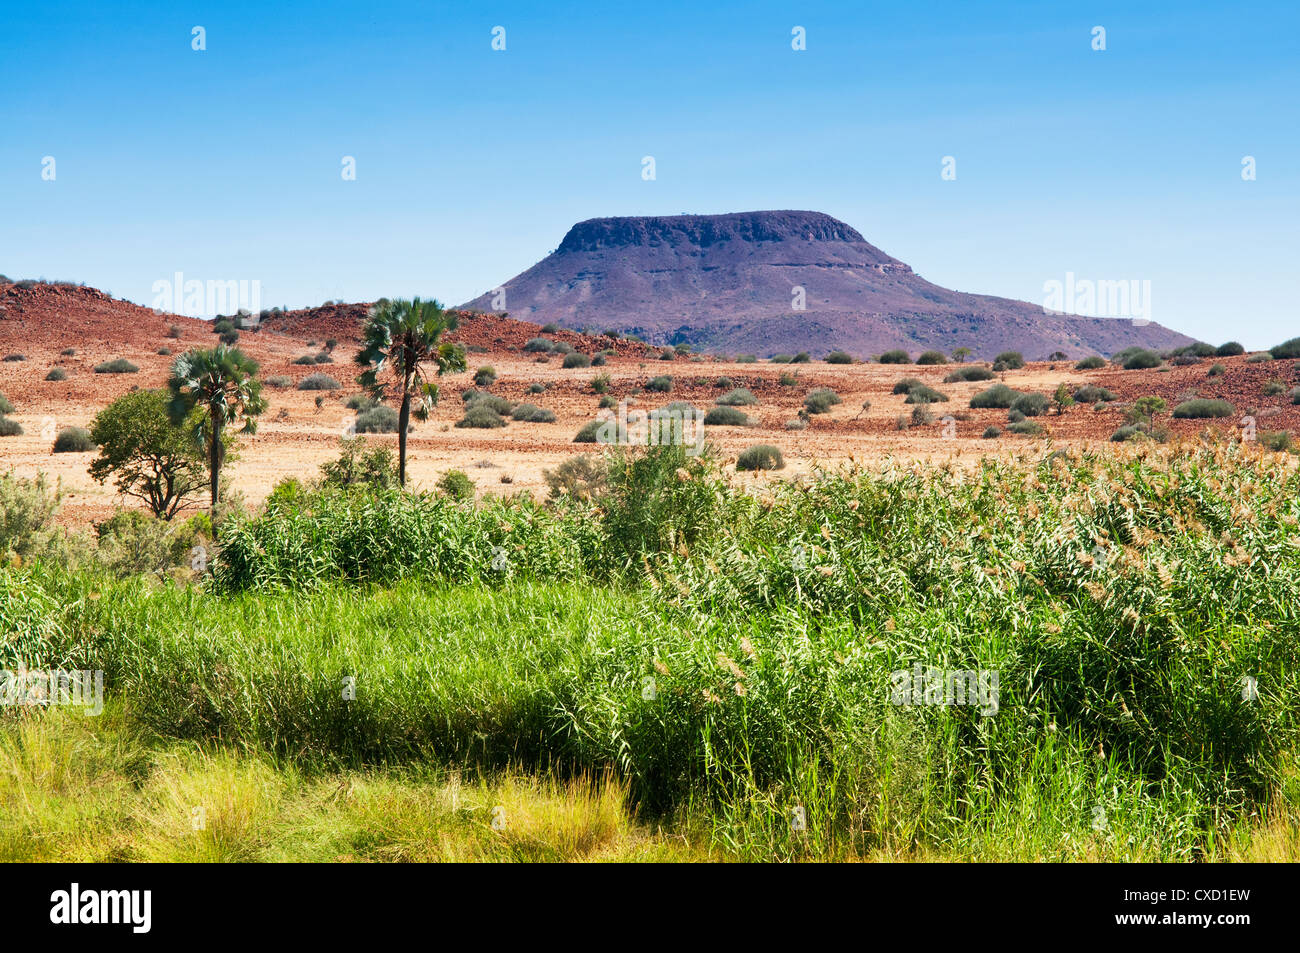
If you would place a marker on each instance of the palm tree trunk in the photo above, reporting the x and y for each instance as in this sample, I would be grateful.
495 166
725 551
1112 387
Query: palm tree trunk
214 463
403 420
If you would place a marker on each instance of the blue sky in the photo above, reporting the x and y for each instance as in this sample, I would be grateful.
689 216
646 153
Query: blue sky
472 163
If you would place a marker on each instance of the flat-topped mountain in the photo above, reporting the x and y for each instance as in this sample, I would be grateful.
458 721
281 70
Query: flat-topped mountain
736 282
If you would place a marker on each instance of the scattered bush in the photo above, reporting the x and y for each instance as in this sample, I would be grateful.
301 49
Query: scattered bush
73 440
1142 360
13 358
1090 363
304 359
164 352
6 406
1286 350
485 376
550 327
907 385
589 432
1203 407
323 358
660 385
991 433
1216 370
798 423
1010 360
726 417
580 478
932 357
1230 349
839 357
963 374
820 400
360 402
174 332
1092 393
1273 388
1295 395
359 467
737 397
921 415
746 358
229 338
68 351
1278 441
895 357
999 396
482 417
667 354
803 357
457 485
57 374
498 405
607 401
761 456
539 345
1031 405
536 388
921 394
1026 428
280 381
119 365
377 419
576 359
528 413
9 427
1263 357
318 382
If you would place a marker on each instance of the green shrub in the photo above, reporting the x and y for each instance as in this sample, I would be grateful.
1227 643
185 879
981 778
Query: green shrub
921 415
580 478
6 406
323 358
1026 428
839 357
820 400
481 416
173 332
660 385
667 354
907 385
737 397
1032 404
576 359
746 358
164 352
1092 393
1216 370
607 401
73 440
1287 350
998 396
13 358
360 466
280 381
119 365
782 358
304 359
1230 349
57 374
229 338
726 417
536 388
599 384
590 432
10 427
1090 363
485 376
762 456
991 433
803 357
1273 388
27 507
359 402
68 351
963 374
932 357
539 345
318 382
550 327
921 394
1202 407
1142 360
529 413
498 405
896 356
377 419
457 485
1012 360
1129 432
1263 357
1278 441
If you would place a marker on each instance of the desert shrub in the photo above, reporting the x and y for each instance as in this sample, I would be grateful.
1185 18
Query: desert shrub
6 406
457 485
536 388
528 413
1011 360
896 356
589 432
839 357
10 427
164 352
1026 428
481 416
1199 349
932 357
598 359
600 384
580 478
1185 360
173 332
746 358
539 345
1216 370
991 433
14 358
485 376
318 382
119 365
1295 395
762 456
280 381
668 354
787 379
1032 404
360 466
1230 349
576 359
1092 393
820 400
1142 360
724 383
1129 432
1278 441
1090 363
738 397
963 374
561 347
922 394
57 374
797 423
377 419
229 338
359 402
73 440
1263 357
27 507
1015 416
496 404
1286 350
331 343
1203 407
922 416
1273 388
68 351
906 385
999 396
803 357
323 358
782 358
550 327
659 385
222 325
304 359
726 417
607 401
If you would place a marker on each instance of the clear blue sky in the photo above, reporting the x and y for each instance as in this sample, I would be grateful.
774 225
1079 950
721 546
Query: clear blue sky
471 164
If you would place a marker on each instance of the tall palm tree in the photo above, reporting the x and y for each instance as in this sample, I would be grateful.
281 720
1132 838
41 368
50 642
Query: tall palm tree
406 336
223 382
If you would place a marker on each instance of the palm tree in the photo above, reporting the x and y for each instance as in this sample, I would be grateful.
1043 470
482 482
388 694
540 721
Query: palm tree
407 335
222 381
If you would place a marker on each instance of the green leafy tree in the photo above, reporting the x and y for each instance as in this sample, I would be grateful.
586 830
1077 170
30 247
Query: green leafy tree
959 354
223 384
1062 398
151 458
403 338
